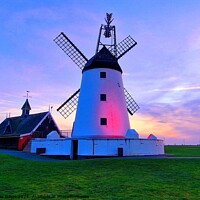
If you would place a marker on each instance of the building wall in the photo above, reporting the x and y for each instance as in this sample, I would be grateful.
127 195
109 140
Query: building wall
23 141
109 147
53 147
45 128
90 108
9 142
100 147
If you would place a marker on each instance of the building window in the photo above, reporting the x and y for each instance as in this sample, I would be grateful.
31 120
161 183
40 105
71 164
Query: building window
102 74
103 121
102 97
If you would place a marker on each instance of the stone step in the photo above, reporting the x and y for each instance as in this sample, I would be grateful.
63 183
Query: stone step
27 148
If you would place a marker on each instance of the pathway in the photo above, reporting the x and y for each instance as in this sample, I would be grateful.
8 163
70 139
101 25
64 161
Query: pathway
28 156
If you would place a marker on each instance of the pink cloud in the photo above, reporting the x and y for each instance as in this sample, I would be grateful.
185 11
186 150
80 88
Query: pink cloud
178 88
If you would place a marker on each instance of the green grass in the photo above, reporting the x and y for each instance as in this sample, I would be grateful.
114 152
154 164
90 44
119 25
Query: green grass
183 150
100 179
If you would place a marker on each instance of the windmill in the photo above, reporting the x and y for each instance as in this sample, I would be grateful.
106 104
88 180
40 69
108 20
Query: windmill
102 102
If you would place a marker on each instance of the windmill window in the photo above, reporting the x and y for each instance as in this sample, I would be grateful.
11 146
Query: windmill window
102 74
103 121
103 97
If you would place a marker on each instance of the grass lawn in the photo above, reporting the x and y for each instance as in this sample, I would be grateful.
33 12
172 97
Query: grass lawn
100 179
183 150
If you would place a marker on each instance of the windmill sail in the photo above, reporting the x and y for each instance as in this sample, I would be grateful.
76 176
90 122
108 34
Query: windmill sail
71 50
132 106
124 46
70 105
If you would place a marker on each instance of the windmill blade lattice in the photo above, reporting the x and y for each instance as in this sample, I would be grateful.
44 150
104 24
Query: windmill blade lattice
71 50
124 46
69 105
132 106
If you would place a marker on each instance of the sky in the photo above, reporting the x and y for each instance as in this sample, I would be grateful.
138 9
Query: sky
162 72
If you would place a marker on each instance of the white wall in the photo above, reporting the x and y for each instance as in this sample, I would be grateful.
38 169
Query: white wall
100 147
60 146
109 147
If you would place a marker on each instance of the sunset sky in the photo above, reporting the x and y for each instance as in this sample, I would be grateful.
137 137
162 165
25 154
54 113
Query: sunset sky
162 72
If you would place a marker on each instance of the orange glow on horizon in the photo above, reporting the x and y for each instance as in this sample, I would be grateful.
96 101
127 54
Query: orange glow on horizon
146 124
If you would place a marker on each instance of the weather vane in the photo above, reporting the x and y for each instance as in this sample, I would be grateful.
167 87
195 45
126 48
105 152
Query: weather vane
107 27
27 94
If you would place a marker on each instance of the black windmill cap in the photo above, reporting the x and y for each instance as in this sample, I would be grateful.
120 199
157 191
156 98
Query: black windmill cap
103 59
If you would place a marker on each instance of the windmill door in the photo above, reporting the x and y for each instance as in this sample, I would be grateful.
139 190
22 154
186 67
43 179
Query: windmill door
74 149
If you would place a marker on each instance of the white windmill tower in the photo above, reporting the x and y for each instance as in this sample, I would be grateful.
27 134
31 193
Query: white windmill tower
102 101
